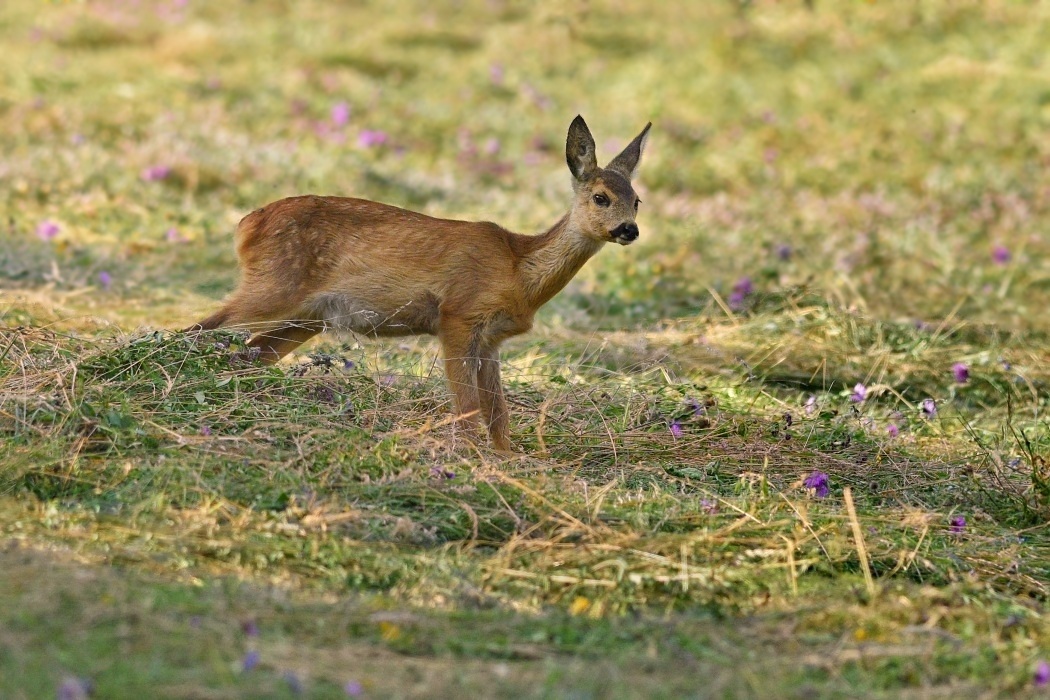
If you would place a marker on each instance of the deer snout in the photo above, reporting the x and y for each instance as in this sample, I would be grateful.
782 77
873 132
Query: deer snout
625 233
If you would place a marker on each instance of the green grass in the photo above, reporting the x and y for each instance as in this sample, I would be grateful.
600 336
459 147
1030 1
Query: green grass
164 512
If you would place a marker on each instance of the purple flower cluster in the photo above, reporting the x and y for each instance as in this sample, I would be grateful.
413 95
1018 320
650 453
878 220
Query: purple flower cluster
743 288
818 483
371 138
155 173
250 661
1041 677
73 688
340 114
173 235
928 409
47 230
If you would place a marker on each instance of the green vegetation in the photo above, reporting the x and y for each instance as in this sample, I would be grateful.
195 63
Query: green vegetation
844 270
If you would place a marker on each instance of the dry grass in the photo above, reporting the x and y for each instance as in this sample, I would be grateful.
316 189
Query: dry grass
832 196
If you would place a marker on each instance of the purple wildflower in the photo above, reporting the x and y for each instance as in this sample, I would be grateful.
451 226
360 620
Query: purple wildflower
369 138
442 473
1042 674
294 684
697 407
742 288
250 661
811 405
47 229
173 235
538 98
249 627
492 146
341 114
105 279
818 483
74 688
961 373
708 506
860 392
353 689
928 408
892 430
155 172
783 251
676 430
348 364
957 524
1001 255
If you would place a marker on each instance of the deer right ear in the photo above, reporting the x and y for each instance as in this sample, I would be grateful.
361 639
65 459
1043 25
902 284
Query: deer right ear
579 150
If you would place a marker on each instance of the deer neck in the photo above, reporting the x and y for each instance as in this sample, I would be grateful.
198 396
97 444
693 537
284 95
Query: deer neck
553 259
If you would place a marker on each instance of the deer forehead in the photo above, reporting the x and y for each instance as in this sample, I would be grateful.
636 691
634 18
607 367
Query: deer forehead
614 184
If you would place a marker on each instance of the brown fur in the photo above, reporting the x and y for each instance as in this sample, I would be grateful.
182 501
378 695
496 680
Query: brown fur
310 263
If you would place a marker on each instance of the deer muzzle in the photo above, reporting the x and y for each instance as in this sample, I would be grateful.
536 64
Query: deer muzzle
625 234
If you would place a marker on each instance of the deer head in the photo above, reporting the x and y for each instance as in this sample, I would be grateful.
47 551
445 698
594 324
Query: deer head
605 204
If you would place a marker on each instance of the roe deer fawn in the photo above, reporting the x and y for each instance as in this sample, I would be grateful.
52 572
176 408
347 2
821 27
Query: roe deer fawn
310 263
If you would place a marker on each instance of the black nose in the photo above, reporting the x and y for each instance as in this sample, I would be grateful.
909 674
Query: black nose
625 232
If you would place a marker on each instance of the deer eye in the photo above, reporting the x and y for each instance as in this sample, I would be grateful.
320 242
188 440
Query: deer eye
601 200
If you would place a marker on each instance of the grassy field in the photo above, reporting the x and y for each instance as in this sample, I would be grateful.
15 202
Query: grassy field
792 443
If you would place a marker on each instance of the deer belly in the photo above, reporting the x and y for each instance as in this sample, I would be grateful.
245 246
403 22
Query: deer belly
415 315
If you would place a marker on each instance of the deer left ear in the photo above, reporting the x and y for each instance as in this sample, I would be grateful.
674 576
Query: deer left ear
579 150
627 162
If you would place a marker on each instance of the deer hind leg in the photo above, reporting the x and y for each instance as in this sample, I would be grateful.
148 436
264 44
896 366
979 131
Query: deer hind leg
459 346
275 326
493 403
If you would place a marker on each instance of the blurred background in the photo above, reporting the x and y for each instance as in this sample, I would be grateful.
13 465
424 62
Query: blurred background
890 157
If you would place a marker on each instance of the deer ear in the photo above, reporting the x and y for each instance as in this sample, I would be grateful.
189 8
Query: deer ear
579 150
627 162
